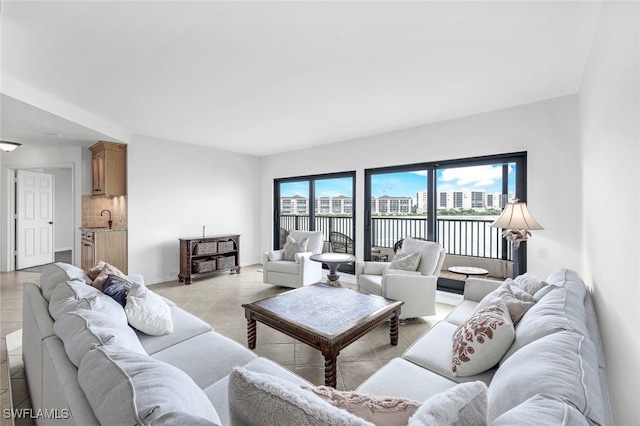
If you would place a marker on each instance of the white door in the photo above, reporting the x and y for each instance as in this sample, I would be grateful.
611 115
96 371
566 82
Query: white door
34 221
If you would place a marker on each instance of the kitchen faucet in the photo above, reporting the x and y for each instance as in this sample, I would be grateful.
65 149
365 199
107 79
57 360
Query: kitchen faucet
110 221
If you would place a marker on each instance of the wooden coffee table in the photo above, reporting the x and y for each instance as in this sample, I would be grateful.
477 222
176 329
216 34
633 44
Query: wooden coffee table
324 317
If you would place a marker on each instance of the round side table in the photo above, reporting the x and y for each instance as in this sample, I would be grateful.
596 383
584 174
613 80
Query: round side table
333 261
467 271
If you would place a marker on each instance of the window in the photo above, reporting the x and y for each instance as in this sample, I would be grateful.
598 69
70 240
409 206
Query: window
452 202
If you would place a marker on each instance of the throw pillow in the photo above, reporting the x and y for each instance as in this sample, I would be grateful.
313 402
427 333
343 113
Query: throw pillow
482 340
117 288
147 312
379 410
517 300
93 324
107 270
405 261
292 247
95 271
275 401
530 283
462 405
127 388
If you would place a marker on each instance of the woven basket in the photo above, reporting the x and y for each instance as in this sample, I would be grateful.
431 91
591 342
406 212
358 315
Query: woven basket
204 265
226 262
205 248
224 246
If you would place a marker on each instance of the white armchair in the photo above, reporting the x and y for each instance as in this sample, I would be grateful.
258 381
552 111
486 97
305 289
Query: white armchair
301 270
417 289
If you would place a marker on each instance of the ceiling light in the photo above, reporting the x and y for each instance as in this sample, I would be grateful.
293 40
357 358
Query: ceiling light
8 146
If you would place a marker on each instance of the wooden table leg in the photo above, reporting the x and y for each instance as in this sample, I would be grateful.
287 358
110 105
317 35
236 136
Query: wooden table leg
393 327
330 371
251 333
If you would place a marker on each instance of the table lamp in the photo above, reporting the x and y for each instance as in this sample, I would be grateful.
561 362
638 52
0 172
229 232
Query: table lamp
516 221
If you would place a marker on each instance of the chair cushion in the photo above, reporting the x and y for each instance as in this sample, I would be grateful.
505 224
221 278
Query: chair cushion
284 266
429 254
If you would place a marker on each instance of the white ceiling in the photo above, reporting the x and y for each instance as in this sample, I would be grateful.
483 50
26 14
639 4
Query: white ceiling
266 77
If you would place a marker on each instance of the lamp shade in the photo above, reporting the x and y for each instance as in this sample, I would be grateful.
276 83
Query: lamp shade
516 216
8 146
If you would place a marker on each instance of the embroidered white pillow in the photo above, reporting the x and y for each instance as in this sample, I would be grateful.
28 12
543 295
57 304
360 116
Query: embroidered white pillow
482 340
147 312
379 410
405 261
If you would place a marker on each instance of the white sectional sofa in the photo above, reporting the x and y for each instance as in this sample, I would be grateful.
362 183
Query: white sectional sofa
551 373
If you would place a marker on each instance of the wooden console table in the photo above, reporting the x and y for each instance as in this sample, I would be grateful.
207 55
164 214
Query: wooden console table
202 256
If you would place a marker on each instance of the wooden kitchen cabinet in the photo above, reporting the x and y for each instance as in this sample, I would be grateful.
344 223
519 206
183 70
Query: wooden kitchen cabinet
107 245
109 168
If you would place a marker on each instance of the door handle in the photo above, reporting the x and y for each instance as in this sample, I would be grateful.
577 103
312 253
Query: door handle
50 223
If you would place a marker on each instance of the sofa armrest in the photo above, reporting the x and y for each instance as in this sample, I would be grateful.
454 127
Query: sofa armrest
303 257
389 271
476 289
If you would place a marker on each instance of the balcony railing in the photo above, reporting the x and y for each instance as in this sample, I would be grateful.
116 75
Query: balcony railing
458 235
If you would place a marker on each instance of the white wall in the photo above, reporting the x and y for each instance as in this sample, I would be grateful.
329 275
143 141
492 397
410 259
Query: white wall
174 189
610 141
546 130
26 158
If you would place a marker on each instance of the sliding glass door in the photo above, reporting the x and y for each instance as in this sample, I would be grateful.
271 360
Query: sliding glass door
317 203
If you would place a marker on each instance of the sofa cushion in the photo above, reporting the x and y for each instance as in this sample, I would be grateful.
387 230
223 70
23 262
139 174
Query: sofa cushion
563 365
433 351
59 272
541 410
517 300
293 246
481 341
462 405
65 296
379 410
147 312
278 402
185 326
211 356
127 388
462 312
561 309
405 261
96 321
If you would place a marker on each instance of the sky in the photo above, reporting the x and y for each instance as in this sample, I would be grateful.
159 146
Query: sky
407 184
